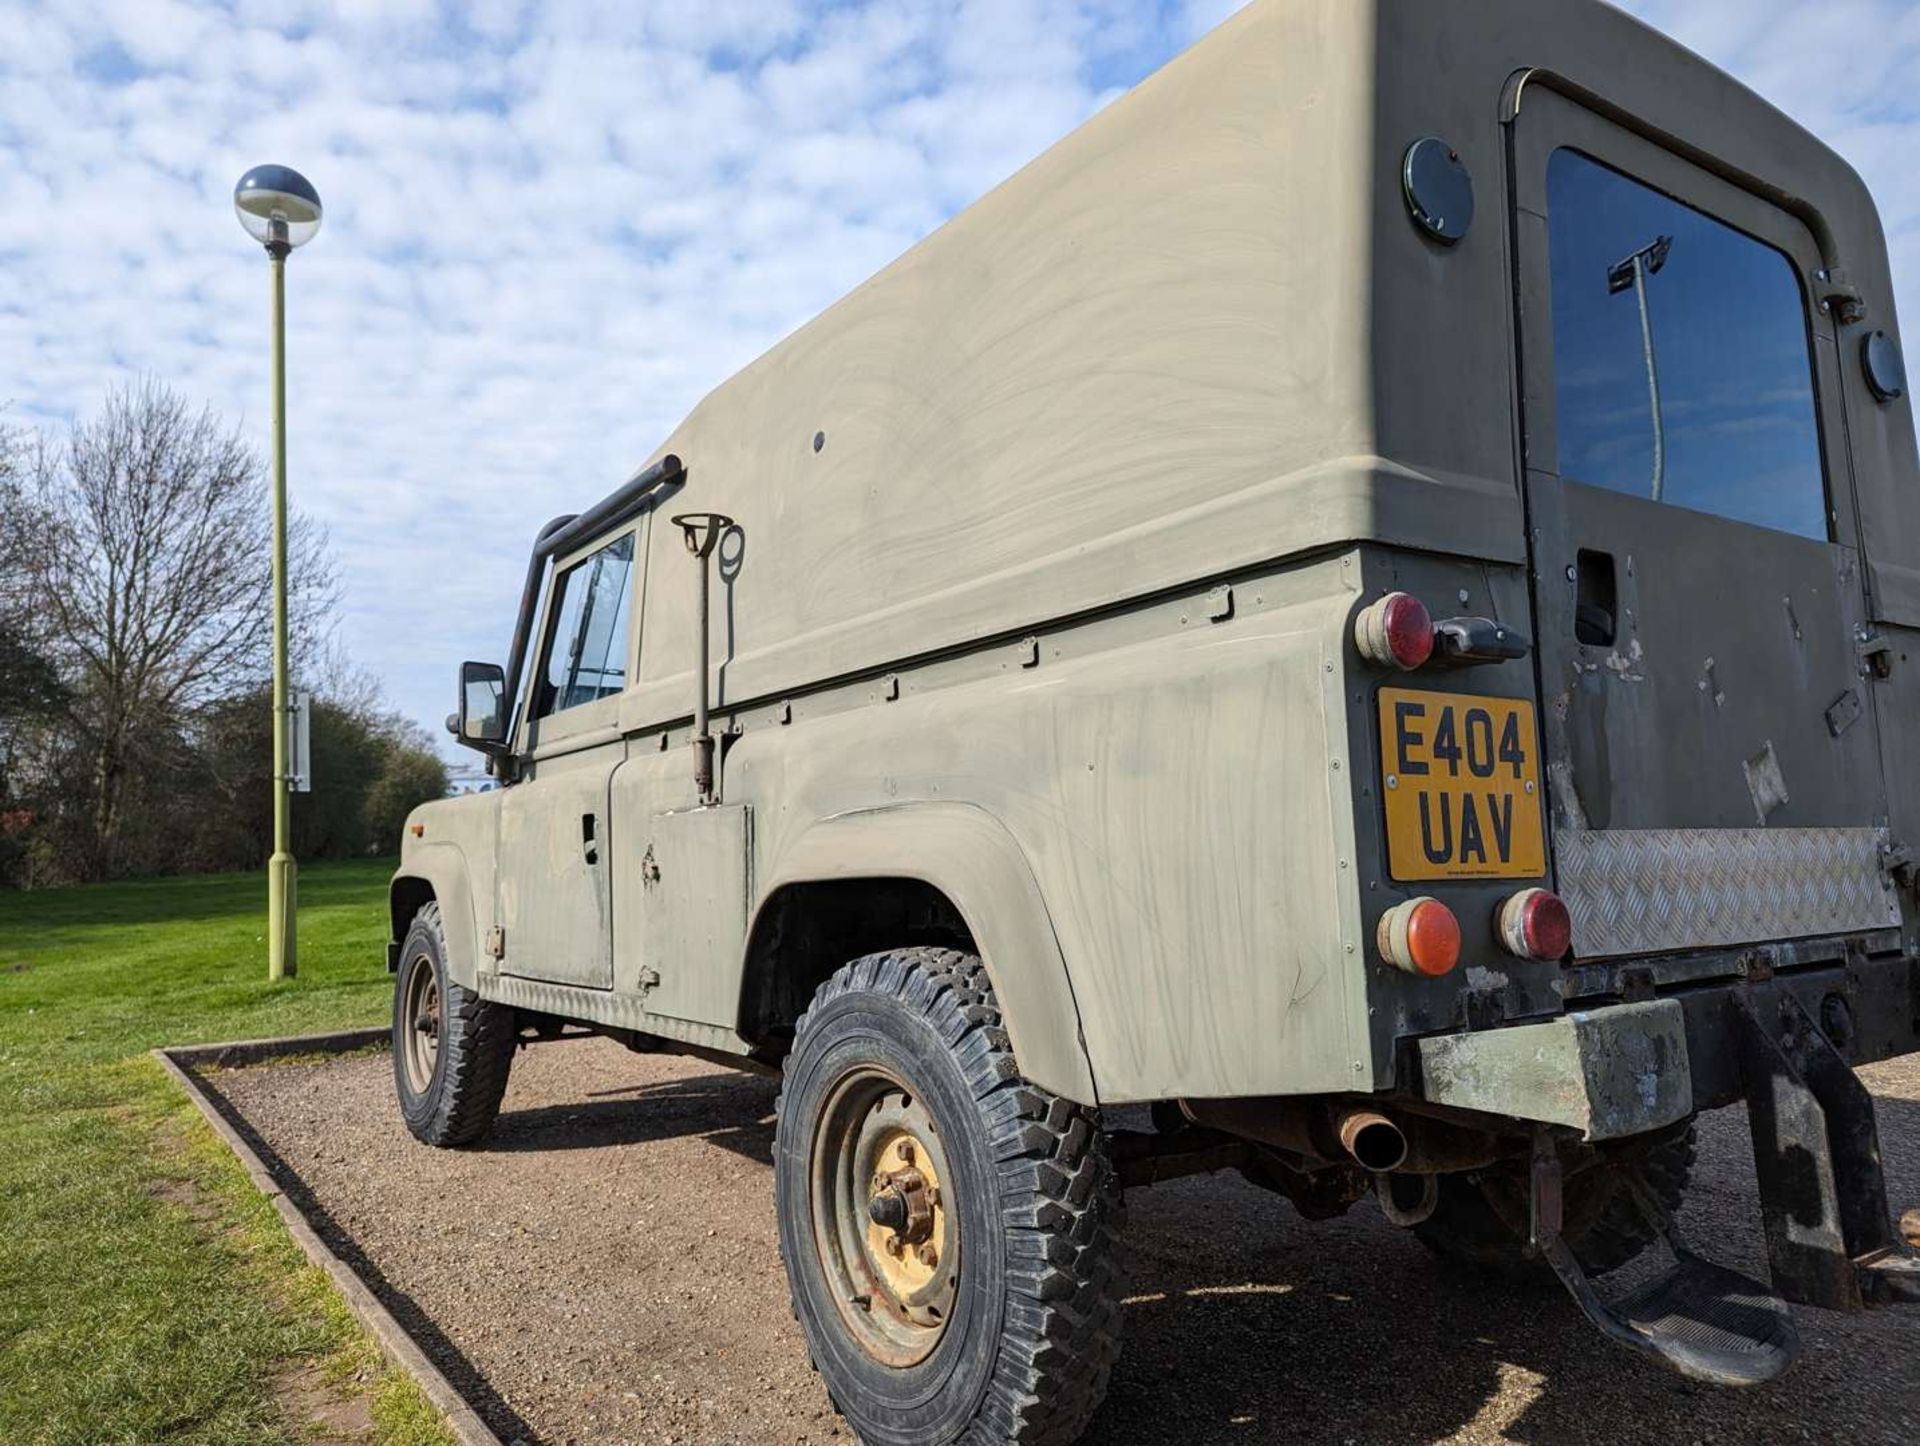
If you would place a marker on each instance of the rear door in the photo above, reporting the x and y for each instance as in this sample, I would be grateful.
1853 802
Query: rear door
1713 769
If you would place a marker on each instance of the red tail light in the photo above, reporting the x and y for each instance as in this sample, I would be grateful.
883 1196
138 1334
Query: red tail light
1420 936
1396 632
1535 924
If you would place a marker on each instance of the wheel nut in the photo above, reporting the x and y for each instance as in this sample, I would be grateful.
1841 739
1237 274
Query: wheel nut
929 1256
906 1151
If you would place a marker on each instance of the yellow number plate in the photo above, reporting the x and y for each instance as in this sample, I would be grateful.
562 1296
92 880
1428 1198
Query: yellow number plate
1461 780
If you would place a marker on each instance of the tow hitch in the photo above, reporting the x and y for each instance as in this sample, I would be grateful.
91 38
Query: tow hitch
1831 1241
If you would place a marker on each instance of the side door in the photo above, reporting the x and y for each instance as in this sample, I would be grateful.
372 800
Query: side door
553 891
1714 770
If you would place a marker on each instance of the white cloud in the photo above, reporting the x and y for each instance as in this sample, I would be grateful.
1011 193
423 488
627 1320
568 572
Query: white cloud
552 228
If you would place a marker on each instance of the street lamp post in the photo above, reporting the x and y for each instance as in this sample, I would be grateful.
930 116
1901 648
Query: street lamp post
1633 271
280 209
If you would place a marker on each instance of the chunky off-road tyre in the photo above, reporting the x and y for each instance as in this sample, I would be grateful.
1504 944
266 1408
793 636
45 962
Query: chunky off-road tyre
451 1048
1601 1222
950 1231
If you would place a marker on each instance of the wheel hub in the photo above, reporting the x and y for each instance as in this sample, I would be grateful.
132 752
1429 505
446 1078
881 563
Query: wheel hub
423 1018
888 1242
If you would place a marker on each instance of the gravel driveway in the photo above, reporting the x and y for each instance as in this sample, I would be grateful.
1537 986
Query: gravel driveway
603 1268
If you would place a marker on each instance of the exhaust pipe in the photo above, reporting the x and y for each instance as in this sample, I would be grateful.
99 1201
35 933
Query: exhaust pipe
1375 1142
1331 1132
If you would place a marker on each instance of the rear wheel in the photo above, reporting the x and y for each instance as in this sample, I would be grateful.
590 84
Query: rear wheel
1481 1220
451 1048
949 1230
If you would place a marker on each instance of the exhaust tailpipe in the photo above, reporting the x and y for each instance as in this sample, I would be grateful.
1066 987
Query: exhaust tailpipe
1375 1142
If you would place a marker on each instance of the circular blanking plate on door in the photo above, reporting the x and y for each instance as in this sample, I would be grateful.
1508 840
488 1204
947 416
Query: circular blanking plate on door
1886 370
1439 190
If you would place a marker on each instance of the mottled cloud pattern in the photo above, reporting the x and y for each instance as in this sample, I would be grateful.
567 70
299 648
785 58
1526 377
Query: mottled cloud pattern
551 228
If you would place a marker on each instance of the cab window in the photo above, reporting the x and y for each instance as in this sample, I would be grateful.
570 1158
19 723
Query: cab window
1683 368
587 645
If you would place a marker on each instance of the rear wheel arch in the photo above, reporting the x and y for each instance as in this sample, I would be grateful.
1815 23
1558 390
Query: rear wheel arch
943 875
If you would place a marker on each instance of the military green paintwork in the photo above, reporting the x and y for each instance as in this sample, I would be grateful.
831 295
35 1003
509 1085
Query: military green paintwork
1057 616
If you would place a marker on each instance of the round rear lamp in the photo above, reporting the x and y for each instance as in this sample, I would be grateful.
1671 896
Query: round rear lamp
1535 924
1395 632
1420 936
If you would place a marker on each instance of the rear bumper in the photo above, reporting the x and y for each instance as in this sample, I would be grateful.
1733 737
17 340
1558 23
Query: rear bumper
1617 1068
1869 1008
1784 1043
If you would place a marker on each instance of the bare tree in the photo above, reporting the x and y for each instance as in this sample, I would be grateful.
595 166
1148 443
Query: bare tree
147 566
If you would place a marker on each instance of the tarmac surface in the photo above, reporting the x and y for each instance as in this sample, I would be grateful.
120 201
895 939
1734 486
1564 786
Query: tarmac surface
603 1268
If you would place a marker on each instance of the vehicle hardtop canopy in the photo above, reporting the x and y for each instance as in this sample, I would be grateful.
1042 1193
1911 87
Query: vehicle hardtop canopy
1201 333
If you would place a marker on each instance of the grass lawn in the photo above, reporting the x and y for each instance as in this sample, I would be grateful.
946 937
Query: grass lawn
147 1293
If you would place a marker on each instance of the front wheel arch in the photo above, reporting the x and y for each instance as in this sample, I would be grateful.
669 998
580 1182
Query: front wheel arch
436 873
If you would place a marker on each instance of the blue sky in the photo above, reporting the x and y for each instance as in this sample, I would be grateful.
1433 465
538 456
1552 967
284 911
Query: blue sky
552 227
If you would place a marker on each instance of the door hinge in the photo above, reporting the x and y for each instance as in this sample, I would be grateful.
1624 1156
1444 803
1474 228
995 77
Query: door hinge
1876 653
497 942
1839 297
1898 862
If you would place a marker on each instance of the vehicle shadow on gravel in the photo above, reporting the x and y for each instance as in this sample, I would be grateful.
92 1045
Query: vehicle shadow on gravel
1247 1324
733 1111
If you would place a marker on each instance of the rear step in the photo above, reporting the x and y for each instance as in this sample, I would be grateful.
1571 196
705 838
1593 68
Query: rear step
1831 1240
1708 1323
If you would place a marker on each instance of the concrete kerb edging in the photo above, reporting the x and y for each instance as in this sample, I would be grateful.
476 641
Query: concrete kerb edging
395 1344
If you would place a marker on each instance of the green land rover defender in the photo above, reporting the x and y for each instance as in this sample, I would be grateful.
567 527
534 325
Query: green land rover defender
1364 604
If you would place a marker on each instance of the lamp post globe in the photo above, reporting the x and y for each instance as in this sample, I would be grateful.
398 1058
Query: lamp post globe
279 208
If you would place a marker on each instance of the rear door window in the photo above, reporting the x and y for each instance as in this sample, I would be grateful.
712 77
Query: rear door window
1683 367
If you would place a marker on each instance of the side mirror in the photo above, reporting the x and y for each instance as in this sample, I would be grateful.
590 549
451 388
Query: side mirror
482 719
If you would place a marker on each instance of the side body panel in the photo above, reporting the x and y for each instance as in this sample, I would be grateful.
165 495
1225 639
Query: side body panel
1180 796
683 952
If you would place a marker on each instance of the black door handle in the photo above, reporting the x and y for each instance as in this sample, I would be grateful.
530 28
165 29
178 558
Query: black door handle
1596 599
588 846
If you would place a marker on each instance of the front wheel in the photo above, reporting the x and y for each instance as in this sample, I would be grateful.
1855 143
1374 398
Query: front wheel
949 1230
451 1048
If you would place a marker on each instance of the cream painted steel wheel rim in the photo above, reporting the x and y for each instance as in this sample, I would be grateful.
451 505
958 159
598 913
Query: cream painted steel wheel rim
888 1240
423 1016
